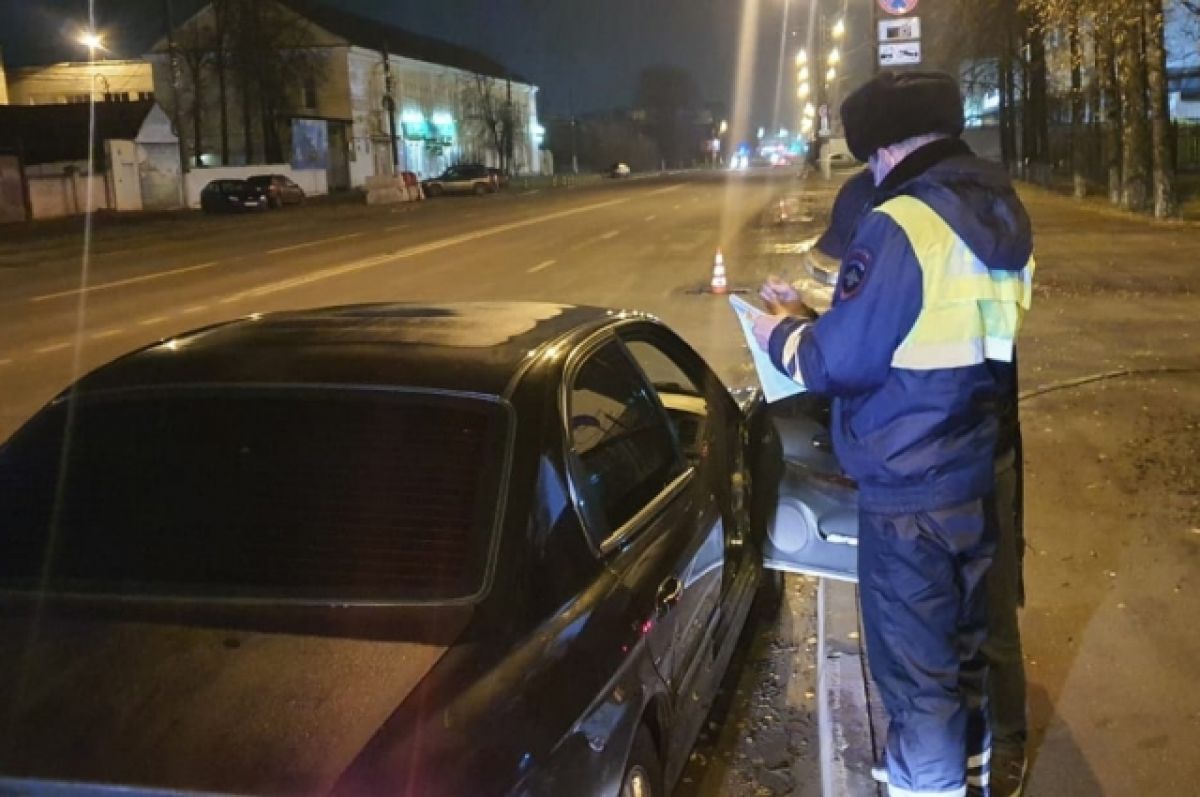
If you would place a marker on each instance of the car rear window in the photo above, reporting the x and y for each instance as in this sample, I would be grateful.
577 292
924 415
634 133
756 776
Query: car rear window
290 494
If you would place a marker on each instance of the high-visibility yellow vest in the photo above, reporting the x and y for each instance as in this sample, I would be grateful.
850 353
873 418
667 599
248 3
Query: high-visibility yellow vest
968 313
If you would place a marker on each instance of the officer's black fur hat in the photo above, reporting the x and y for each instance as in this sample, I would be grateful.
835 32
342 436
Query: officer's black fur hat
893 107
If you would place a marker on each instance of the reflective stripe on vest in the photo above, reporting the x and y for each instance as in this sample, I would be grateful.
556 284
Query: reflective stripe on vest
969 313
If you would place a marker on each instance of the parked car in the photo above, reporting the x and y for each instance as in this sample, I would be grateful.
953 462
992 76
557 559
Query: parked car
495 548
280 189
619 170
468 178
232 196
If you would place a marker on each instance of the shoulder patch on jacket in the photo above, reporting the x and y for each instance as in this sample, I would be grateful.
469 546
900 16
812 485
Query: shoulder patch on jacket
854 273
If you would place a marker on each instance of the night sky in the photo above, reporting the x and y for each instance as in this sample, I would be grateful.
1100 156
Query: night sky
585 54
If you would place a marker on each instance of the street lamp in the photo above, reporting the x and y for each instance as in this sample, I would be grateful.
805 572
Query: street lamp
801 57
830 75
803 76
839 29
804 90
724 126
809 110
91 40
834 56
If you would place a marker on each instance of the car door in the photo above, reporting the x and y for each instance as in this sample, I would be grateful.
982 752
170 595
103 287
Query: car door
815 527
635 493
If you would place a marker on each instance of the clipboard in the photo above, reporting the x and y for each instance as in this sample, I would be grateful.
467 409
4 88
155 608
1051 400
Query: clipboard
775 385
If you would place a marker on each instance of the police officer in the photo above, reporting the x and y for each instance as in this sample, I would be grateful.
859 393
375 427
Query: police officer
1002 648
917 354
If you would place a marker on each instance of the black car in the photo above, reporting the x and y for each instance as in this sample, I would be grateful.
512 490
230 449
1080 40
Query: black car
494 548
280 189
233 196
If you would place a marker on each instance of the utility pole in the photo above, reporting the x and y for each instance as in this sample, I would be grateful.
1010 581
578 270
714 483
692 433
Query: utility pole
173 61
389 104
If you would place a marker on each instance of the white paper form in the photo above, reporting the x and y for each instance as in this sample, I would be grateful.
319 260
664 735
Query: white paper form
775 384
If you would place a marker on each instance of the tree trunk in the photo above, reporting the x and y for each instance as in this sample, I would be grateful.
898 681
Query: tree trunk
222 108
1131 79
1038 120
1110 108
1160 122
197 106
1008 98
247 119
1078 150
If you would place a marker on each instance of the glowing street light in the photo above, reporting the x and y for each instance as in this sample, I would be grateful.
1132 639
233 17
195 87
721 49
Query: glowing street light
804 90
839 29
801 57
809 110
724 126
830 75
834 56
803 76
91 40
806 124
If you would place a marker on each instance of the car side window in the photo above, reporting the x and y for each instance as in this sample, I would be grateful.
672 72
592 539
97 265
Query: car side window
623 454
683 399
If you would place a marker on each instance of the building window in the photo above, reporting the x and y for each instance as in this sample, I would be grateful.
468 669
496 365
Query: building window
145 95
310 93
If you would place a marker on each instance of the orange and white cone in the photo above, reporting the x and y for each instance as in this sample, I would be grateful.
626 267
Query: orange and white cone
719 283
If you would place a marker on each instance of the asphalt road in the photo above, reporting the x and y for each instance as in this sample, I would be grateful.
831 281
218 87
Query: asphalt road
635 244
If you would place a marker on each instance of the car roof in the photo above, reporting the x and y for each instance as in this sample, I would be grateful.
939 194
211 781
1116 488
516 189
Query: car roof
474 347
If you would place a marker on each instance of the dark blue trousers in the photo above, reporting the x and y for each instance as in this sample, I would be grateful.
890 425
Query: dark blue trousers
921 581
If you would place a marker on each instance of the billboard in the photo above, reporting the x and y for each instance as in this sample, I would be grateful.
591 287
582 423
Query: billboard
310 144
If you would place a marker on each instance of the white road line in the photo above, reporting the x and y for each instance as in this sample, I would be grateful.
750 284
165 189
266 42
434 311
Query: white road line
610 235
396 227
413 251
666 190
540 266
106 333
306 244
651 217
158 319
199 308
6 361
119 283
53 347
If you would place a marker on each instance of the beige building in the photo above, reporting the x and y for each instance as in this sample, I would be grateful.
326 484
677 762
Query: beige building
379 100
79 81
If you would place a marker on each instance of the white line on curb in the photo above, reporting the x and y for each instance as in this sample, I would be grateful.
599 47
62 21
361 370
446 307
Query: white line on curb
542 265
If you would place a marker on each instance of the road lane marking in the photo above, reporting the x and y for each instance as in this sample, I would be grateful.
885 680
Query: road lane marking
540 266
666 190
6 361
199 308
651 217
396 227
414 251
53 347
119 283
279 249
610 235
106 333
158 319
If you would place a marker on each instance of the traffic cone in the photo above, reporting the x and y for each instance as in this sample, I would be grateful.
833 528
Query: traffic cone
718 284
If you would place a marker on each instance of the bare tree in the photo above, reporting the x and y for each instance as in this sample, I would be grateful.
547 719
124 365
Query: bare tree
1078 152
1131 77
1160 145
490 109
194 49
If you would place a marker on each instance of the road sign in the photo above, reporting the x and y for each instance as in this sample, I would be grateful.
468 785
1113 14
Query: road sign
898 8
899 53
894 30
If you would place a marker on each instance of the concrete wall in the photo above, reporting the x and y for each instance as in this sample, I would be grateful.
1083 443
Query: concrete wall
51 196
311 180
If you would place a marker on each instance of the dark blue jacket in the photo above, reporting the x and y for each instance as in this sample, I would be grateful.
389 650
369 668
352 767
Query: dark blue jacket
913 439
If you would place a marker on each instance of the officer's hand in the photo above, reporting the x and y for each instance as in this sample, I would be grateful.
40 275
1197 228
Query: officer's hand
778 296
764 325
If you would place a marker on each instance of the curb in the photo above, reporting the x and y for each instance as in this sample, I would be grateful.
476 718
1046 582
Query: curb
849 722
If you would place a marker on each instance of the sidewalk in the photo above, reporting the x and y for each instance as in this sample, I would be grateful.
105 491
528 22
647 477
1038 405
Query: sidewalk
1110 370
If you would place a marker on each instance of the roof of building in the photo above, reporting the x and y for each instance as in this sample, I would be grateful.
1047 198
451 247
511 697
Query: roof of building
376 35
53 133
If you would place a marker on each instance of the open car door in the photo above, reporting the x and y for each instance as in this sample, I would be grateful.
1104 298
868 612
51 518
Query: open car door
815 528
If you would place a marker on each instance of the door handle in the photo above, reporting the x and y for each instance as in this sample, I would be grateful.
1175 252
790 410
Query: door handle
668 595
